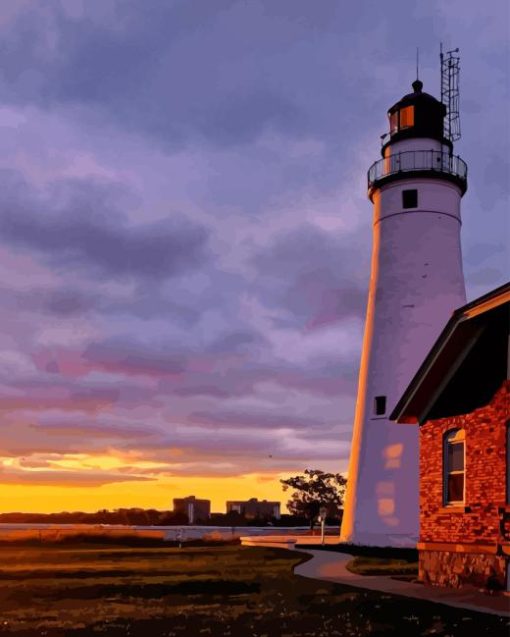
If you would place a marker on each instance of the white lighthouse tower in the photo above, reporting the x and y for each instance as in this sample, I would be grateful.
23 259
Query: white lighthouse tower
416 282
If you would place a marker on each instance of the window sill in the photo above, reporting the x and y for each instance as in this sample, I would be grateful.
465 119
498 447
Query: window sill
455 508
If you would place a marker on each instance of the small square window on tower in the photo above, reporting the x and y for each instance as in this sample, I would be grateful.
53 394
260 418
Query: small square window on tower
380 405
410 198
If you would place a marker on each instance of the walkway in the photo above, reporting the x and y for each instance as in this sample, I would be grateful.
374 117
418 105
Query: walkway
331 566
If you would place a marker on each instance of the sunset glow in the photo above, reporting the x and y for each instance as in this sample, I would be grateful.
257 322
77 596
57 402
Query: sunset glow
32 498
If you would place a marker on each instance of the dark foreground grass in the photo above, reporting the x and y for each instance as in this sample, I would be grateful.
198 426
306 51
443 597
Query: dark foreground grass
381 566
200 592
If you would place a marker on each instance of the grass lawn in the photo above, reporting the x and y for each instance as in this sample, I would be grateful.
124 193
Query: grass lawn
230 591
381 566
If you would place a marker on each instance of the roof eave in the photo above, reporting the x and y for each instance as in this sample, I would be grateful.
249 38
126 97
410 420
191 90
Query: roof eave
406 410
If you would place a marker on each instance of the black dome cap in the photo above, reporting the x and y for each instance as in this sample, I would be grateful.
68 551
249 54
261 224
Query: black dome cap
417 96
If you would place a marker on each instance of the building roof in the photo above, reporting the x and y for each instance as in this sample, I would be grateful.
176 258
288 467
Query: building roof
466 364
252 501
190 498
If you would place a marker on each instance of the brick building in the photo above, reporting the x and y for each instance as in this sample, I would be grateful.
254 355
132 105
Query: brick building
255 509
196 510
460 397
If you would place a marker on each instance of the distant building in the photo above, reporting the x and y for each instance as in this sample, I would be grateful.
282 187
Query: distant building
253 508
196 510
460 398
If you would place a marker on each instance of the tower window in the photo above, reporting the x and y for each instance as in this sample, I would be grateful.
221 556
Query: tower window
409 198
380 405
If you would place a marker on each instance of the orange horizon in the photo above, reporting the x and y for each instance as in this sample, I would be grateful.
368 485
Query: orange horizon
157 494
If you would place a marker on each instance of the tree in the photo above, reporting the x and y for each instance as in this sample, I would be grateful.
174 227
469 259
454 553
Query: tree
313 490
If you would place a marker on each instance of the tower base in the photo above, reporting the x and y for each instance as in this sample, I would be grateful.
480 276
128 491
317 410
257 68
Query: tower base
382 540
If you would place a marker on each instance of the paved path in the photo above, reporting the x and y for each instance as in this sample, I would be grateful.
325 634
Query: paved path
331 566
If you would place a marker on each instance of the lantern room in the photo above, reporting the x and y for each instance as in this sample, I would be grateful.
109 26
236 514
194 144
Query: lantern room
417 114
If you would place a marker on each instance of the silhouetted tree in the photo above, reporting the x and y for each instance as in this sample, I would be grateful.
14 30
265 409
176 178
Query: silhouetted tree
313 490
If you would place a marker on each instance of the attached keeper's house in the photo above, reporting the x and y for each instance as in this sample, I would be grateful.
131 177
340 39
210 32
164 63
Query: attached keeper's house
460 397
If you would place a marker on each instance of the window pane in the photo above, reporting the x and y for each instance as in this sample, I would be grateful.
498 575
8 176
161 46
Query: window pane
409 199
456 435
393 123
407 117
456 457
456 487
380 405
508 464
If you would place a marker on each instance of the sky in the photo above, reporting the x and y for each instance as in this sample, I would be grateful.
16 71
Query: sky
185 234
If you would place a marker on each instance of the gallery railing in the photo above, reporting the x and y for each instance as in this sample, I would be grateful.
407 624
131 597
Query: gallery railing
418 161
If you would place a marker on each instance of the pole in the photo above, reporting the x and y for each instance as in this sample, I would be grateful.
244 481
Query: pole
323 514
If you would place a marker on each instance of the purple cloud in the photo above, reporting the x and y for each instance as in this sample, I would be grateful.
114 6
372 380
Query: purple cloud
63 478
80 226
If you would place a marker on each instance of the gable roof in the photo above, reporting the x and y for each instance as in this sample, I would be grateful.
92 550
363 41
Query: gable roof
468 361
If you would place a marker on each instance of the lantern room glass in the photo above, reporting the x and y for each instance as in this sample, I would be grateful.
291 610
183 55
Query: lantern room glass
393 123
406 117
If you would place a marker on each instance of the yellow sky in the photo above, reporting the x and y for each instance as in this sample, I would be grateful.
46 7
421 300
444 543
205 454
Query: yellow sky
156 494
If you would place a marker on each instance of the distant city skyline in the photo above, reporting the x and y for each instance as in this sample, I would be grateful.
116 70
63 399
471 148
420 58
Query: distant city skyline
185 235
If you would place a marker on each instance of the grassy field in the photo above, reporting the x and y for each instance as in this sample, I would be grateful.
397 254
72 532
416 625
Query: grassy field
381 566
200 592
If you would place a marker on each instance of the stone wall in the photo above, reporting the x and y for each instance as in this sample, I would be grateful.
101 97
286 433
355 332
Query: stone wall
447 568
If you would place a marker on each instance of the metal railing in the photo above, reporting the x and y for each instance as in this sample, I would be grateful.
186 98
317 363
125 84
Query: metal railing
418 160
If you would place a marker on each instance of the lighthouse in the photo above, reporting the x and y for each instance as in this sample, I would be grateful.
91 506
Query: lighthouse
416 281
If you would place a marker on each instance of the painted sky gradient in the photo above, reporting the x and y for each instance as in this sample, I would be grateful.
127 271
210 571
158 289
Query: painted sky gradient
185 235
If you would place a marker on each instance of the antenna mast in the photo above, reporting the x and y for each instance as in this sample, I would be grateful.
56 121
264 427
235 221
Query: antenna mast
450 68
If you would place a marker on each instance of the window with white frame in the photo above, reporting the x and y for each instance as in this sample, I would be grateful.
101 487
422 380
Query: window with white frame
508 463
454 463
